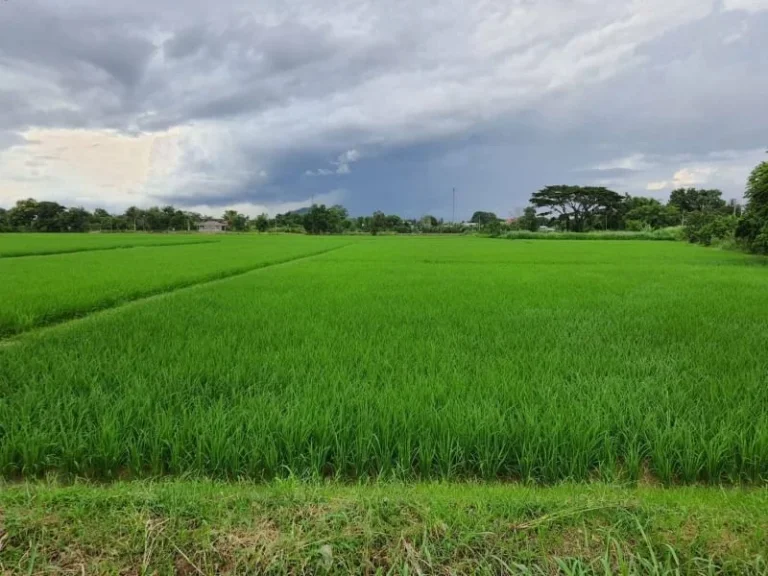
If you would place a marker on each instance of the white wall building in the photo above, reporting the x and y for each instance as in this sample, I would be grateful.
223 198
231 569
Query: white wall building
212 226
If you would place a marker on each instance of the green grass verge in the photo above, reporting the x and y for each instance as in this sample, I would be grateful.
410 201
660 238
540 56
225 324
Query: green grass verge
293 528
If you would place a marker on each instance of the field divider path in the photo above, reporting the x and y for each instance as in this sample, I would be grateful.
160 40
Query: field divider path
77 250
57 322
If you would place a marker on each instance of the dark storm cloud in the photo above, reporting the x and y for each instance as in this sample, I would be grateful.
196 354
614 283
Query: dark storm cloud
247 193
696 91
252 46
186 43
74 47
105 66
497 99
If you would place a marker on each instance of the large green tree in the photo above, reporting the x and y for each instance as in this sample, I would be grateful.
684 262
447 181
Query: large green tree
529 221
133 214
261 222
648 212
318 220
688 200
752 229
378 222
338 219
50 217
577 207
74 220
22 216
236 221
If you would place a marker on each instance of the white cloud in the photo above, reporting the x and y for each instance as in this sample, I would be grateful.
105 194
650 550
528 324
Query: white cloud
345 159
726 170
631 162
106 168
739 34
319 172
349 156
747 5
686 177
91 167
341 163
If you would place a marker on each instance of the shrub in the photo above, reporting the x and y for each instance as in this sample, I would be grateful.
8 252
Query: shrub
669 234
708 227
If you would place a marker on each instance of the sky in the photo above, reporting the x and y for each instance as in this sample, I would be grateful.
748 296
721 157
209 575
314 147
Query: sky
270 105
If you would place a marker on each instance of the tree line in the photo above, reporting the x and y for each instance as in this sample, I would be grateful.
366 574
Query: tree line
30 215
703 214
587 208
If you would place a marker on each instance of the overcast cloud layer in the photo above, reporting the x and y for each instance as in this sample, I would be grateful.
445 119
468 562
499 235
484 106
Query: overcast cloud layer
378 105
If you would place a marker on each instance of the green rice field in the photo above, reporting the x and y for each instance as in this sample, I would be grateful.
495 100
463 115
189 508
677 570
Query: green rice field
47 289
390 357
40 244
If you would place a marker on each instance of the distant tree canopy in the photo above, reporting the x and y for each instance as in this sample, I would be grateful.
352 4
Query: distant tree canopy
429 221
577 207
29 215
261 222
378 222
483 218
695 200
706 216
641 212
529 220
322 220
236 222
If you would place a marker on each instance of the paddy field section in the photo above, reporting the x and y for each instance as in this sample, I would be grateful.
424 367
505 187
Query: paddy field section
409 358
34 244
42 290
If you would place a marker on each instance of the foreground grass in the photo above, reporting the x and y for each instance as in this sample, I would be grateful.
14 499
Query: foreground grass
48 289
420 358
293 528
28 244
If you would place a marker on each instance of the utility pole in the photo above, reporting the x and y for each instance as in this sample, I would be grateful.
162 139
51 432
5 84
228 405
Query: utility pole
453 214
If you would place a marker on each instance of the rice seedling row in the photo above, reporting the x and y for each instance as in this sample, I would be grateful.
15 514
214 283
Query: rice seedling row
48 289
19 245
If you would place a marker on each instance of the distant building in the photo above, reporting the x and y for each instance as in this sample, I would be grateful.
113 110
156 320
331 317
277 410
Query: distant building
212 226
